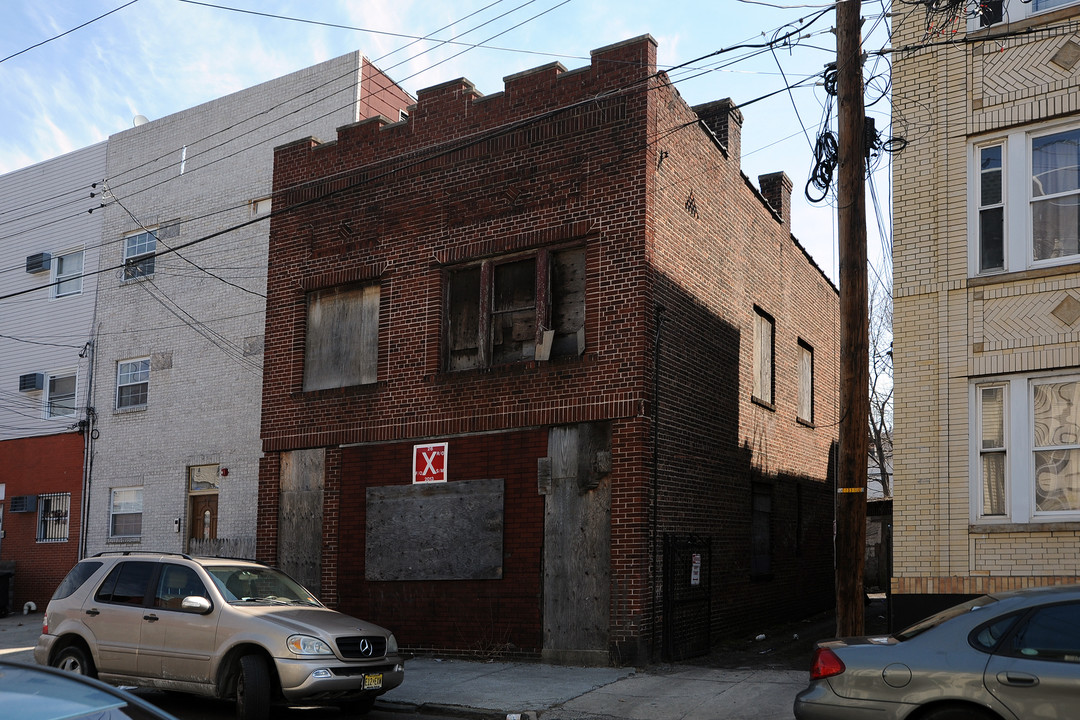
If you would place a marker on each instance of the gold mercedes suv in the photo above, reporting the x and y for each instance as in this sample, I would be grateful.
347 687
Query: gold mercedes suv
223 628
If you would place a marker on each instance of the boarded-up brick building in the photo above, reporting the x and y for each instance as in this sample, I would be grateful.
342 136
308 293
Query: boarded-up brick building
528 352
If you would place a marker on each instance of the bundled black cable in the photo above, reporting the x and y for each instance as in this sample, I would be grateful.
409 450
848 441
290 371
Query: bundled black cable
825 160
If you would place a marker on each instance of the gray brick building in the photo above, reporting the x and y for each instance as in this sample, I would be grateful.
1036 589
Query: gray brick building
177 343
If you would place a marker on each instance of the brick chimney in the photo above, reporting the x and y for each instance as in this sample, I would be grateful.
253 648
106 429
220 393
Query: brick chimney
725 120
776 189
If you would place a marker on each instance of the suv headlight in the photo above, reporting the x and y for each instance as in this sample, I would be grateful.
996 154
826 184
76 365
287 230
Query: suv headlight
307 645
391 645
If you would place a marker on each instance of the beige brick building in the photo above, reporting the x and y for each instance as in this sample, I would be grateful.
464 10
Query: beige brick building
987 302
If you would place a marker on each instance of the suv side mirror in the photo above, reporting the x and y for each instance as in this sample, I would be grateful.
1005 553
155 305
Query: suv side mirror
196 604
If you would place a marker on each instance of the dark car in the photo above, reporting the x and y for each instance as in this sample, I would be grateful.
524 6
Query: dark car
216 627
1004 656
31 692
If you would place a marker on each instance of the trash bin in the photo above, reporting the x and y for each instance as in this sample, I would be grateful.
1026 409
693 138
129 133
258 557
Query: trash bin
5 592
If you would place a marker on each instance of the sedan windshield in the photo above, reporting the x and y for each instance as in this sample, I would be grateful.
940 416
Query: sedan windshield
934 620
245 584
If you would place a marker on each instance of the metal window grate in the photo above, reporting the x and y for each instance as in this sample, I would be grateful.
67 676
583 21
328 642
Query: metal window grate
54 511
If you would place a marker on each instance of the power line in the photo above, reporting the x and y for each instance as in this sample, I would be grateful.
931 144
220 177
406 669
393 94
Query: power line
67 32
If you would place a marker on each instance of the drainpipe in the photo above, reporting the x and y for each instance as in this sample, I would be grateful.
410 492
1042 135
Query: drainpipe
655 472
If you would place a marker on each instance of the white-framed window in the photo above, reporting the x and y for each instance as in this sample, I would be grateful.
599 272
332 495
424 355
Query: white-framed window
139 249
132 383
764 336
1026 449
261 206
1025 199
60 395
54 510
67 274
986 13
806 382
993 450
125 512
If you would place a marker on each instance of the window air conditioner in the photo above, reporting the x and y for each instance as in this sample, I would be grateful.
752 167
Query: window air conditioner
31 382
23 503
38 263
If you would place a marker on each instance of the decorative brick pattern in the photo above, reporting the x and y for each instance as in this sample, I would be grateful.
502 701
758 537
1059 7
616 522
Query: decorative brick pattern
950 328
562 158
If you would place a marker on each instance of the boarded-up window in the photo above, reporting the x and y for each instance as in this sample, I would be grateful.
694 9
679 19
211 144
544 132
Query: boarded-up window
763 356
568 300
513 311
806 382
342 341
499 310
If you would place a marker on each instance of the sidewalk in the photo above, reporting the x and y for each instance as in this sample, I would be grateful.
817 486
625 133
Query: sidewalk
551 692
735 683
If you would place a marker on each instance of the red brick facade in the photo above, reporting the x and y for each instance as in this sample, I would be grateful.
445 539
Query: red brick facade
609 159
33 467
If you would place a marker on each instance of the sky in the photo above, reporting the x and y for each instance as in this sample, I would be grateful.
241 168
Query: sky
70 78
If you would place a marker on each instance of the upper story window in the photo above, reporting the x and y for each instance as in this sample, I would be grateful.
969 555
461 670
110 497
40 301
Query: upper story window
524 307
806 383
1026 449
1026 200
68 274
60 400
341 345
132 383
139 252
991 12
764 377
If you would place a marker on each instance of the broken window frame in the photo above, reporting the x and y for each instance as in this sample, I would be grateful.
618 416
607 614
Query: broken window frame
548 315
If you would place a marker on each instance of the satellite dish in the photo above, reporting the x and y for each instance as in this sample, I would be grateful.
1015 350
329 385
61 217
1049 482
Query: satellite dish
139 120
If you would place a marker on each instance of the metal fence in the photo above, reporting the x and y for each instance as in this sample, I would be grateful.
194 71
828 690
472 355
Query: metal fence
687 598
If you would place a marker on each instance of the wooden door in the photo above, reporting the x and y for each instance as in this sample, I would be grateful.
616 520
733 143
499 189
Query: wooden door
204 513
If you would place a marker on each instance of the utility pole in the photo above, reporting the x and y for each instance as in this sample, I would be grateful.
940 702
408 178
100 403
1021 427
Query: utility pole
854 323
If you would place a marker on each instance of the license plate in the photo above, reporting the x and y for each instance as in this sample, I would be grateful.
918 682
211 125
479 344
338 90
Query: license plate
373 682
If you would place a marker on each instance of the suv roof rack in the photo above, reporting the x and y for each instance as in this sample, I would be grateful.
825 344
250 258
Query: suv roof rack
141 552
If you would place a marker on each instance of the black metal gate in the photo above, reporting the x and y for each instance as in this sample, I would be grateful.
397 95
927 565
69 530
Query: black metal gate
687 599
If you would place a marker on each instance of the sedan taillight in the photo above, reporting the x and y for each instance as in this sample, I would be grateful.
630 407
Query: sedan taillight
45 624
826 664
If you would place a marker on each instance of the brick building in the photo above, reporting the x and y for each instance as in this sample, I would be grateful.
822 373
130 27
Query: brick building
546 375
987 304
178 346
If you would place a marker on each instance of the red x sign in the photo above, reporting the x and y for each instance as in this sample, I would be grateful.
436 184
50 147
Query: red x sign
429 463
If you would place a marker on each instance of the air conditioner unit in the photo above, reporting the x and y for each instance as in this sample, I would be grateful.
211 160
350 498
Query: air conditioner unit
23 503
31 382
38 263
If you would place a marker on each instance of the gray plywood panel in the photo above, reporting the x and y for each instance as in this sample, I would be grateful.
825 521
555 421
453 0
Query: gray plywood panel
437 531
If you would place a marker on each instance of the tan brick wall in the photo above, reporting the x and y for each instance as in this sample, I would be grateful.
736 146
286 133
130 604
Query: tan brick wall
949 328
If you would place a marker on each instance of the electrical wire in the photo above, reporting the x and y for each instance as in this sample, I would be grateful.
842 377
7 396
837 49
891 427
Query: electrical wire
67 32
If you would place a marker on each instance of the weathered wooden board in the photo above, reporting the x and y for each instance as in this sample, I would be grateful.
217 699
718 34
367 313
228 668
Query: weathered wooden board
437 531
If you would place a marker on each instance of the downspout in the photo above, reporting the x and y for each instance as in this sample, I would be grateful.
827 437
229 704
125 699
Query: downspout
655 472
88 447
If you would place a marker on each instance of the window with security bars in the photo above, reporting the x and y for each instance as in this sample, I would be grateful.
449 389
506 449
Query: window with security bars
54 511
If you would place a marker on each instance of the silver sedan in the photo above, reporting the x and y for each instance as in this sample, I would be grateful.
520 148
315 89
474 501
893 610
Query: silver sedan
1005 656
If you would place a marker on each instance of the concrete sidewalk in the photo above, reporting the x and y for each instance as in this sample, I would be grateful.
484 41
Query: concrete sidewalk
535 691
550 692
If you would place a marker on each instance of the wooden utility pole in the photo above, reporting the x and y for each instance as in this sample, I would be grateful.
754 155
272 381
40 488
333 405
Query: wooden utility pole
854 324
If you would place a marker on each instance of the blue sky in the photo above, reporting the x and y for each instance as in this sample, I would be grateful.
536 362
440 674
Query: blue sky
156 57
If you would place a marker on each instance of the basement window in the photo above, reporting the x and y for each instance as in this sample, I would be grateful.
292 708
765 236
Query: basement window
514 309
